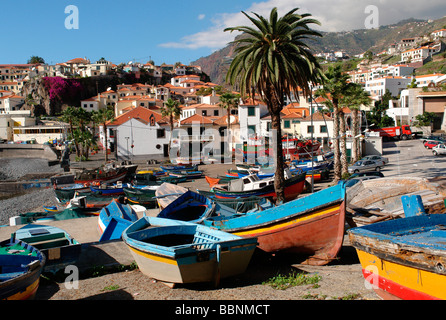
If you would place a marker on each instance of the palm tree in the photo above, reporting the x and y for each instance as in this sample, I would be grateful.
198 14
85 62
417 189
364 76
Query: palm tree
273 61
102 117
335 87
354 99
229 100
171 109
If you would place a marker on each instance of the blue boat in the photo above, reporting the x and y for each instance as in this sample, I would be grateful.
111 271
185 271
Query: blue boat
190 174
20 267
192 207
179 168
404 258
182 252
116 189
56 244
113 219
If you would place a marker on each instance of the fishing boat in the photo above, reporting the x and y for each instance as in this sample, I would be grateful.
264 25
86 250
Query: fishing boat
173 179
239 205
376 200
219 180
113 219
182 252
312 225
106 189
66 192
179 168
167 193
253 186
20 267
59 248
190 206
404 258
186 174
106 174
64 214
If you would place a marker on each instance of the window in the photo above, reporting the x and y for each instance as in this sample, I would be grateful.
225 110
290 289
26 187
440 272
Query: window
286 124
323 129
91 105
216 113
161 133
204 113
310 129
251 111
251 129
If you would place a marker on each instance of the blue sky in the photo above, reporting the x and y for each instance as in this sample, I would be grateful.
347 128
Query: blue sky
166 31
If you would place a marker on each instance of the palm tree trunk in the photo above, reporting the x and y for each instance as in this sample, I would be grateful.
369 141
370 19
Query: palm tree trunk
344 164
279 180
105 135
336 150
355 146
229 125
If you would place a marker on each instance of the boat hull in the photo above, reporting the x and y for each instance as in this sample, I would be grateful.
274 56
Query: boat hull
215 255
404 258
23 286
306 226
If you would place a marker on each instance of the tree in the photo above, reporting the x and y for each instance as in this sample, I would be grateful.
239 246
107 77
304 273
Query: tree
228 101
35 60
378 116
171 109
273 61
354 99
426 119
102 117
335 87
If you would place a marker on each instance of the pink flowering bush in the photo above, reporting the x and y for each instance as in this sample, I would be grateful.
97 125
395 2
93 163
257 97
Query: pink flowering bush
61 89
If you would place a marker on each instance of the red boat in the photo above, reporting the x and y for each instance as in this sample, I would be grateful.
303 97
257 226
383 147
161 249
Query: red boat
99 176
300 149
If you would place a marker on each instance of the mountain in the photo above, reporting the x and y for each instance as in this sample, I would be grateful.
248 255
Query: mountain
351 42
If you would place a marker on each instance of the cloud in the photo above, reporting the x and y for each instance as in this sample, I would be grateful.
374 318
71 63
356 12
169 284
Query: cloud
201 16
338 15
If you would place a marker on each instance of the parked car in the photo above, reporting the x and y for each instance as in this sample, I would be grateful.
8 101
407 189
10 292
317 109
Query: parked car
365 165
366 174
379 159
429 144
439 149
435 138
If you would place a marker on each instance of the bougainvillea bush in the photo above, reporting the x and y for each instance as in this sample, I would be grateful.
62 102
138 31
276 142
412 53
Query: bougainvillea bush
61 89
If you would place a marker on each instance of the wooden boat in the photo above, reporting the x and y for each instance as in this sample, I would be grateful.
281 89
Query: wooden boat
312 225
179 168
190 206
239 205
404 258
252 186
186 174
114 219
172 179
371 201
20 267
101 175
167 193
66 192
182 252
65 214
59 248
115 189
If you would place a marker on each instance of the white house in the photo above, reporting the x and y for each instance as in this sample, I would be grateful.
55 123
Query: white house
138 133
439 34
250 113
319 126
425 80
377 87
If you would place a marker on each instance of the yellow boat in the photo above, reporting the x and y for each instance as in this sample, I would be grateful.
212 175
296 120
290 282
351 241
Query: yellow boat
404 258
